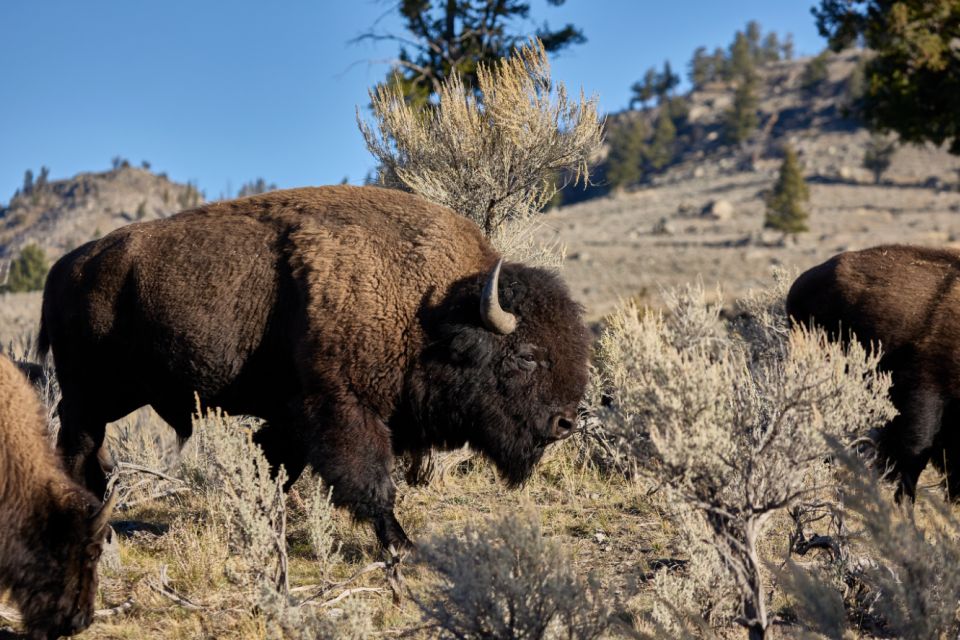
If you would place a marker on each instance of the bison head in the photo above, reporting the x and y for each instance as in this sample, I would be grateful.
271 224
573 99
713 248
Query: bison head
56 591
504 367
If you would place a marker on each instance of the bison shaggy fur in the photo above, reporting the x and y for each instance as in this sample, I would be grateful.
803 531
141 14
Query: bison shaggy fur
906 299
351 319
51 528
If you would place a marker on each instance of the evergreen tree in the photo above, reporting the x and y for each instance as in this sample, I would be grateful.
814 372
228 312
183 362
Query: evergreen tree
27 181
787 47
913 76
741 58
878 155
42 179
786 204
753 33
628 150
254 187
28 271
662 147
721 65
741 119
666 82
450 37
815 73
770 49
701 68
644 90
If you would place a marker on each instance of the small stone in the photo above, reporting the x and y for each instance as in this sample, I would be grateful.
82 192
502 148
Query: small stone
718 210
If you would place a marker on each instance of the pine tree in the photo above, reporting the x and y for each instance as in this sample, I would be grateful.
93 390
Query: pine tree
786 204
701 68
628 150
644 90
741 119
815 73
28 271
770 49
913 85
741 58
447 38
666 82
787 47
752 34
662 147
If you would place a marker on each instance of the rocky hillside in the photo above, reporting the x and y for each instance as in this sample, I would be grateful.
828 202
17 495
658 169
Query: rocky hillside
64 214
703 216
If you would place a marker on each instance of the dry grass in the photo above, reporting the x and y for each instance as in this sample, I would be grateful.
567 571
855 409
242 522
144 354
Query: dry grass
180 571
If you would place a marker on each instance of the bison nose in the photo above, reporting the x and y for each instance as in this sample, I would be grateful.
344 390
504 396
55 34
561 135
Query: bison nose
561 426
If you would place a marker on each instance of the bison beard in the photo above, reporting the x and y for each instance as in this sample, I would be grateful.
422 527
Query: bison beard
359 323
906 300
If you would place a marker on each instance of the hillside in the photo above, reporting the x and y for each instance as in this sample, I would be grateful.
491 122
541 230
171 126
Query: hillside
668 231
656 234
63 214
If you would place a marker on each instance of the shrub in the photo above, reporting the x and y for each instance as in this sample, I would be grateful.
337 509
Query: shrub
736 425
504 580
491 159
878 155
28 271
231 473
910 568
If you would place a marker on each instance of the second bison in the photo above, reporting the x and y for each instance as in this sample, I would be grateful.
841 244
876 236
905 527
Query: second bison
905 299
360 323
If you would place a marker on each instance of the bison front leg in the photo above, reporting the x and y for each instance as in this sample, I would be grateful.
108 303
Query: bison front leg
353 454
78 442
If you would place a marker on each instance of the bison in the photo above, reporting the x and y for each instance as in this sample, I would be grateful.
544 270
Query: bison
51 528
359 323
907 300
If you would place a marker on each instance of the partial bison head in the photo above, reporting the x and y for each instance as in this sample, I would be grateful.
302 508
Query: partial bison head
504 367
59 584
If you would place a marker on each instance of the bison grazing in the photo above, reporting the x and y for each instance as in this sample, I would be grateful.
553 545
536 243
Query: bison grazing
907 299
51 529
359 323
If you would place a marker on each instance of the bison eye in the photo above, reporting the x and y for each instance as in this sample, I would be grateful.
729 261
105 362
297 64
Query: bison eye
527 362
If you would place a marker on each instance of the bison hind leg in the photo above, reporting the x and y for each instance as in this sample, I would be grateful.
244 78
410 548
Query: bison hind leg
908 441
946 457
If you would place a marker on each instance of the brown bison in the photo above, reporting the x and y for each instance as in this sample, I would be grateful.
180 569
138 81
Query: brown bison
359 323
51 528
907 300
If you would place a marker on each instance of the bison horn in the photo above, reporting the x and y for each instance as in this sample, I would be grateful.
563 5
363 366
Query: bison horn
494 317
100 518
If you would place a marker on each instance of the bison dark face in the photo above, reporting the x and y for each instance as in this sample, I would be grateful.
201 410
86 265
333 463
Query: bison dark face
504 368
58 598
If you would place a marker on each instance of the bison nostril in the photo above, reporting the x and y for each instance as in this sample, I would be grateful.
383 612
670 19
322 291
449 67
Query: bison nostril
560 427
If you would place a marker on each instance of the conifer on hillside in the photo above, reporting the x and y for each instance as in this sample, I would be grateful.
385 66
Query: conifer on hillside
628 150
786 204
663 145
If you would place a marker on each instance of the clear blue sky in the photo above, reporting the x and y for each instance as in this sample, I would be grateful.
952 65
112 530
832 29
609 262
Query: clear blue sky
223 92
